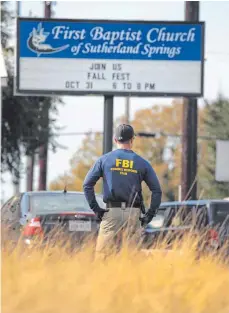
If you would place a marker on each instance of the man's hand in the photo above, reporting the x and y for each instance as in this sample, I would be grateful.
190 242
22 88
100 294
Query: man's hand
100 212
147 218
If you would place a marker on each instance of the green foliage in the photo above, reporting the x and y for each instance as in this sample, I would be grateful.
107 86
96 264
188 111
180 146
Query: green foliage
25 122
217 126
6 22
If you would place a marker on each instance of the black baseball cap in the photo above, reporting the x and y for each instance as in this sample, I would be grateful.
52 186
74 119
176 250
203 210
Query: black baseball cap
124 133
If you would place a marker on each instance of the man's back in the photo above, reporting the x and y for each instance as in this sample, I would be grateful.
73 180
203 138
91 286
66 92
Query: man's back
123 172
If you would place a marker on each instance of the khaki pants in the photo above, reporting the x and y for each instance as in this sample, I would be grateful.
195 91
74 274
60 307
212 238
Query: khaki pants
118 222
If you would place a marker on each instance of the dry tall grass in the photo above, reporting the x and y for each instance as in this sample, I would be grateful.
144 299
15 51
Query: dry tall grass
52 281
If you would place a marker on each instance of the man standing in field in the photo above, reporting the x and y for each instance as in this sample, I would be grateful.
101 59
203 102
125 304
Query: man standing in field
123 172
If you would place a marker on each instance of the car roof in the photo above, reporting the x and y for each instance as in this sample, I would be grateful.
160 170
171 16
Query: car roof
193 202
54 192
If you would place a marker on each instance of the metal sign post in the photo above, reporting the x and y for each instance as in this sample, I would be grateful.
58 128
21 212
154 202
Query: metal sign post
108 124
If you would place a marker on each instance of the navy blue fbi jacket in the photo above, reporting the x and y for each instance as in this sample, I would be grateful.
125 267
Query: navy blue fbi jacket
123 172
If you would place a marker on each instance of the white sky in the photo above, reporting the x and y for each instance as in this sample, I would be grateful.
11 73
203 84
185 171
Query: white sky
86 113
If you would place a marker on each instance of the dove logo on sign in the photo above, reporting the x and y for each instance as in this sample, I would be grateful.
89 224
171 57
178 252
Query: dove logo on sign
36 42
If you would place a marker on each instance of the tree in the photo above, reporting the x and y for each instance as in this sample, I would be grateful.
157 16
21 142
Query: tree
159 150
80 164
6 19
22 117
217 126
163 152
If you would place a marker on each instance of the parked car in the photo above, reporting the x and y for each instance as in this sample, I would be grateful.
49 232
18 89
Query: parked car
40 214
174 219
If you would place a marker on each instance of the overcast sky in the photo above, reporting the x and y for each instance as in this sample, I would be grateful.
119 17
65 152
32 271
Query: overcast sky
86 113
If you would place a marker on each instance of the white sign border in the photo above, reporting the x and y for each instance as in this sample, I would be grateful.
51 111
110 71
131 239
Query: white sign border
23 92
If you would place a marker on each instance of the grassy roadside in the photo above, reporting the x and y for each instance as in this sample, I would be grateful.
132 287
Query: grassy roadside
53 281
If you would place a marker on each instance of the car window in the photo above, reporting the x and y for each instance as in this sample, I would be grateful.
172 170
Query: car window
59 203
220 212
11 209
5 210
184 215
6 204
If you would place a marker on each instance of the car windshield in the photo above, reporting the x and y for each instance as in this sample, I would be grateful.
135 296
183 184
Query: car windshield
60 203
176 216
220 212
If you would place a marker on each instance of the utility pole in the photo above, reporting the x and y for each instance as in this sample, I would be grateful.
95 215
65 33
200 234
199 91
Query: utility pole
108 124
16 183
2 197
190 121
18 8
29 172
30 160
16 179
127 110
43 150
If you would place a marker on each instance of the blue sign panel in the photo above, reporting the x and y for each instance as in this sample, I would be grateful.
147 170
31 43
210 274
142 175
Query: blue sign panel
113 40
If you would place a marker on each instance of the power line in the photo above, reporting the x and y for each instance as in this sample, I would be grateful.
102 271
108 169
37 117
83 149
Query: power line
77 133
138 134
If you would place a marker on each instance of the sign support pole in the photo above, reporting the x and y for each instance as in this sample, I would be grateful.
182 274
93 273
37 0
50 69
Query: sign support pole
108 124
127 110
190 123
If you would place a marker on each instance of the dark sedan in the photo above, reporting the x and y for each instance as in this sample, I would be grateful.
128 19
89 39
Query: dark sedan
174 219
42 214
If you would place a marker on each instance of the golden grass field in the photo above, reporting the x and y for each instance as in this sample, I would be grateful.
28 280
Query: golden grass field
52 281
